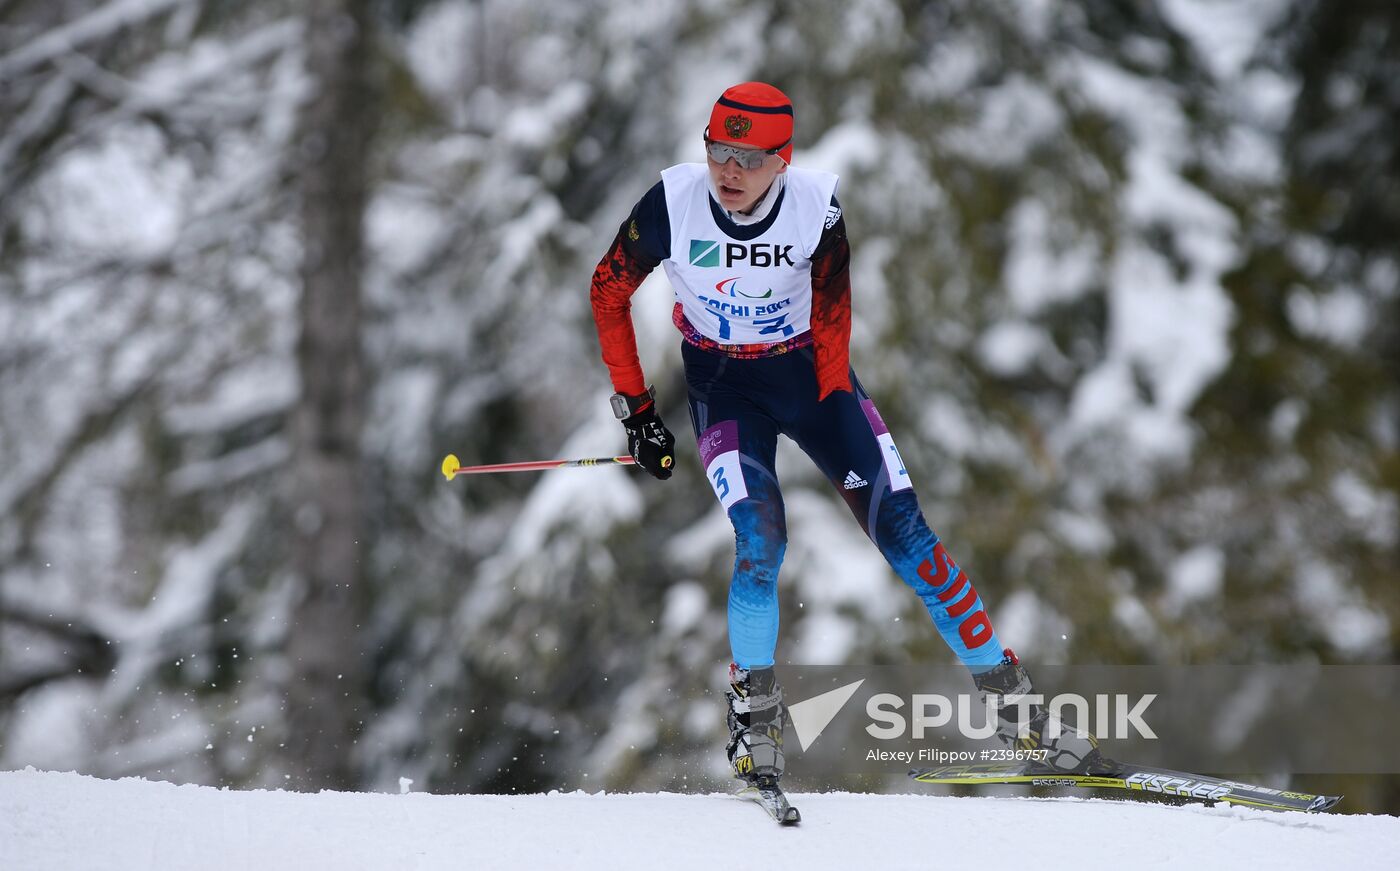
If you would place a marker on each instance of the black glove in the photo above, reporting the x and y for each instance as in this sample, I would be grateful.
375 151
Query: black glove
650 442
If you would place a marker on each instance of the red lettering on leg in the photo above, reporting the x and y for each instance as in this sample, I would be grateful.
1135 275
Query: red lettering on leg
976 630
955 588
963 605
936 569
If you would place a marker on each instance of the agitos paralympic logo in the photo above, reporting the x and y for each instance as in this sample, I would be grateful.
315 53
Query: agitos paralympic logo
730 287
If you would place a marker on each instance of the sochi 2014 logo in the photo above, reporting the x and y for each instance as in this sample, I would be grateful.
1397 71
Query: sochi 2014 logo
711 442
738 126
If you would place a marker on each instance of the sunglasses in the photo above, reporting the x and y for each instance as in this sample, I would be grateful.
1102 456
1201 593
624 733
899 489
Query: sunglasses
747 158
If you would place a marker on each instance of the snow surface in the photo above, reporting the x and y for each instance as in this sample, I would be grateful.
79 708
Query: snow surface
50 820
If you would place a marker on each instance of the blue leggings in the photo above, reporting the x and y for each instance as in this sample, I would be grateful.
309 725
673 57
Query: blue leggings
737 408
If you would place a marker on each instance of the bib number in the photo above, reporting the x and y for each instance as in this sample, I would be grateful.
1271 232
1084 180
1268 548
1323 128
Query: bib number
771 326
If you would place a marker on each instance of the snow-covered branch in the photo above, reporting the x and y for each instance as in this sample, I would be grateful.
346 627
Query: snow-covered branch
104 21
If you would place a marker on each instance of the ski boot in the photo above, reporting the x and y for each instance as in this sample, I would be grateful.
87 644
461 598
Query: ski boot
756 720
1070 752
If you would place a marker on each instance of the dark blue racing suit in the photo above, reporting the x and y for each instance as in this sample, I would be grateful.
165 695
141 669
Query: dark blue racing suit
742 397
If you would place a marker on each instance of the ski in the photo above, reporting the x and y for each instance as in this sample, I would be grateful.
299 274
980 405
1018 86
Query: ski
773 800
1133 778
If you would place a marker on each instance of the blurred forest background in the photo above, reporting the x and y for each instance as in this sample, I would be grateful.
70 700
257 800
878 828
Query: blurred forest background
1126 289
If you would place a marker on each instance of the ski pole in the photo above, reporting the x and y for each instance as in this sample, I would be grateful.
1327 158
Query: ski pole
452 467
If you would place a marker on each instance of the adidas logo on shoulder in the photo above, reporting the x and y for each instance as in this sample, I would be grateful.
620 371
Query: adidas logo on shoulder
854 481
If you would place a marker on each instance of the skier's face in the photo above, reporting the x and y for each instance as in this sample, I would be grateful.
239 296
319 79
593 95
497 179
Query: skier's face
739 188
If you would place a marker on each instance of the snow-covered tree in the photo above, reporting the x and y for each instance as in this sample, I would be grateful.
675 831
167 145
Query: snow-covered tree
1123 286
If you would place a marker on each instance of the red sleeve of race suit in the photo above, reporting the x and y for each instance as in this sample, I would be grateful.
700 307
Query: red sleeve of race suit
617 277
831 308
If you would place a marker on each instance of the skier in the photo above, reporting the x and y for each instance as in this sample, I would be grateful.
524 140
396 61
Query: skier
757 254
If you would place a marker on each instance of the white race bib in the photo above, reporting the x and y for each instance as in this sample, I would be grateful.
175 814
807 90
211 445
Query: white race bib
743 292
